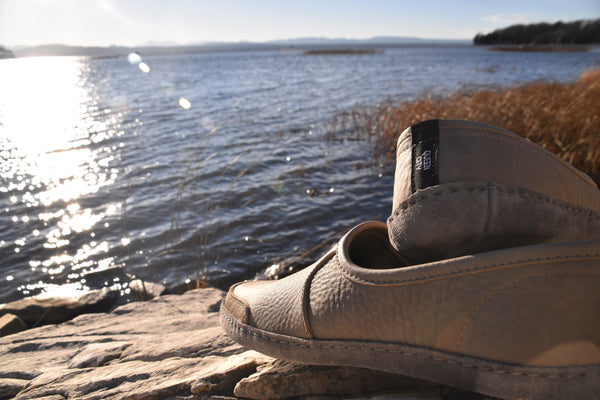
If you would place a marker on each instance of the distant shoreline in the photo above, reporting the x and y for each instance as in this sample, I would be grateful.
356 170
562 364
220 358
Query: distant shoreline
341 51
50 50
542 48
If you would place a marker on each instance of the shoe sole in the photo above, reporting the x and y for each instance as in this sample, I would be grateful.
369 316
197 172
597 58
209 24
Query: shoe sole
507 381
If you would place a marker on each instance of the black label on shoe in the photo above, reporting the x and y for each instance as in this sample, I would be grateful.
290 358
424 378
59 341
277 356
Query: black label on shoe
425 144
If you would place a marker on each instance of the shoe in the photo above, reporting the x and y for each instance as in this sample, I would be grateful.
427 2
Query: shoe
463 187
515 322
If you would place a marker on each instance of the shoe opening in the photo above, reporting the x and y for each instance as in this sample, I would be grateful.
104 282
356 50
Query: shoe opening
371 249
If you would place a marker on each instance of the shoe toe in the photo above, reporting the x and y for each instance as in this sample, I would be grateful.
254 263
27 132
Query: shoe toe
272 306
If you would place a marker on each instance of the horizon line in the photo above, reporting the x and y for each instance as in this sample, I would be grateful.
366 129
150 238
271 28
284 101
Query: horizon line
295 40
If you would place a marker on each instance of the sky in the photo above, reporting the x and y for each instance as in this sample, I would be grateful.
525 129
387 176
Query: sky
140 22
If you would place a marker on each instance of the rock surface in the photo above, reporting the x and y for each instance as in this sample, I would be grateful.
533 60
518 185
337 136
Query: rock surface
147 290
169 348
53 309
280 379
10 323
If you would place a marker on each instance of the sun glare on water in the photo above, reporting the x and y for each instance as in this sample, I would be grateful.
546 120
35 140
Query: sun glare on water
50 156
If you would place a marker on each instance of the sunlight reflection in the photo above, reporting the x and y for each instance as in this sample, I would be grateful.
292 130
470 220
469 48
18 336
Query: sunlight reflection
45 104
52 155
43 130
67 291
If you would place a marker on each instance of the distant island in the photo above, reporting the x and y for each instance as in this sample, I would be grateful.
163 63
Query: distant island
350 51
553 37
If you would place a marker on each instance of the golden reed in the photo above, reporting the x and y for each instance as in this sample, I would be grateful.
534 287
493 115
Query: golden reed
563 118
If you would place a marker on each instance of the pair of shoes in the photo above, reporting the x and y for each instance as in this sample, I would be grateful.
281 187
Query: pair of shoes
486 276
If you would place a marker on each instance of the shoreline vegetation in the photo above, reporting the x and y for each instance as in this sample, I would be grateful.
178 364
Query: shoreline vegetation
581 32
563 118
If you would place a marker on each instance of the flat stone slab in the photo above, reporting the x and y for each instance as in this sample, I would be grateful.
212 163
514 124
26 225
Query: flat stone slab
53 309
170 348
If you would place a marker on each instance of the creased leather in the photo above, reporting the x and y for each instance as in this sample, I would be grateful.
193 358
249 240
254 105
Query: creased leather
510 305
528 305
455 219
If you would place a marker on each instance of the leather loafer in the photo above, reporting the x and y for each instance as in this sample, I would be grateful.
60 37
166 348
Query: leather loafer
511 318
464 187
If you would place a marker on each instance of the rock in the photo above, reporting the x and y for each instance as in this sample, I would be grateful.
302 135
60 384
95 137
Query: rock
103 278
48 308
280 379
224 378
52 397
10 387
187 286
98 354
152 349
10 323
146 290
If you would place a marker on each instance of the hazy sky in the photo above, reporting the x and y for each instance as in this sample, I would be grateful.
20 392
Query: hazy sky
135 22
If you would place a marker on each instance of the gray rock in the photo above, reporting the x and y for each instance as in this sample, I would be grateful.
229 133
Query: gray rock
187 286
52 397
224 378
10 387
146 290
152 349
280 379
98 354
10 323
53 309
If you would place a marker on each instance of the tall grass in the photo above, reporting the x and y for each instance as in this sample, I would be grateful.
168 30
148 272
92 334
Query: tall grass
563 118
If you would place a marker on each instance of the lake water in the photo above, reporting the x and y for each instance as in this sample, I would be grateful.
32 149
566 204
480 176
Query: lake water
215 165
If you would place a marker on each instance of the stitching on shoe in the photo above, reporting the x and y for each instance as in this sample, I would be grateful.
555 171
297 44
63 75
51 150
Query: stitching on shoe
476 187
498 291
488 211
245 330
474 269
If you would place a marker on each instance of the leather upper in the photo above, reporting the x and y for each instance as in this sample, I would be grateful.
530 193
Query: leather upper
535 305
487 189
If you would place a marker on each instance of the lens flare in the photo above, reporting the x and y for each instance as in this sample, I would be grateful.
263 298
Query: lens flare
134 58
185 103
144 67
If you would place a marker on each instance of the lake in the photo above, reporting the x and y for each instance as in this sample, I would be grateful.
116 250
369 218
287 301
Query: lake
221 166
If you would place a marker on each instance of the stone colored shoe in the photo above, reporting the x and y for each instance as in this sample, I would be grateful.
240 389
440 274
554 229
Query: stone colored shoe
464 187
514 317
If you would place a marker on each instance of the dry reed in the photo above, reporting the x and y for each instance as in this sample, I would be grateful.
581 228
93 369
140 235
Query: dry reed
563 118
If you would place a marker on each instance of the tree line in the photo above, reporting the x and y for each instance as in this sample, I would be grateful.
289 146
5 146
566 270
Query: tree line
559 33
